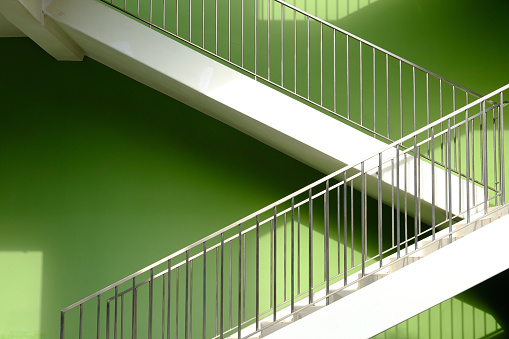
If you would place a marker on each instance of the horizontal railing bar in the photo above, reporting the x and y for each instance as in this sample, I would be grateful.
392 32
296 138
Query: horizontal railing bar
325 23
278 202
377 270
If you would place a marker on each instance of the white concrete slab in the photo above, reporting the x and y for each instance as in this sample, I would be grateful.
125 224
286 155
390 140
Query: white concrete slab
419 286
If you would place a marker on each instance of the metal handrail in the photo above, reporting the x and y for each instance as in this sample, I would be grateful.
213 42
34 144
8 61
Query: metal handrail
256 74
288 197
355 172
348 179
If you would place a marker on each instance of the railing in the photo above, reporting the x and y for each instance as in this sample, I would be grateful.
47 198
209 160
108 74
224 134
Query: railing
325 234
310 59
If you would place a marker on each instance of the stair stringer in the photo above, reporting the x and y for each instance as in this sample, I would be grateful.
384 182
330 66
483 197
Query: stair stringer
252 107
411 290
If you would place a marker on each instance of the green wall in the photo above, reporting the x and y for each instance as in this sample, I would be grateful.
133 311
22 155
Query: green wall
92 162
102 176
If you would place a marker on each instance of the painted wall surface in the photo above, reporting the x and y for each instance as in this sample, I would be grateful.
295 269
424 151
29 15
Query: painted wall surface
103 176
93 162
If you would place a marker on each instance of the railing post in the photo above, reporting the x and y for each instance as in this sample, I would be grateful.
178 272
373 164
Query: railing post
292 263
380 243
433 182
398 217
326 240
310 256
363 219
257 306
502 167
485 157
62 324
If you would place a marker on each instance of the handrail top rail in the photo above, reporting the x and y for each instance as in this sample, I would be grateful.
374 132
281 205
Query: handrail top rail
288 197
376 47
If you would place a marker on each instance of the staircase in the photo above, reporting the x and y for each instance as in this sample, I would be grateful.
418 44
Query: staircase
421 166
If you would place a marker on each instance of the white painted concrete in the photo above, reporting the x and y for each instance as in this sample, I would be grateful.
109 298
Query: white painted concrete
8 30
419 286
27 16
200 82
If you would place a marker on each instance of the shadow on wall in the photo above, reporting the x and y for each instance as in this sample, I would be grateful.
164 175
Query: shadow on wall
451 319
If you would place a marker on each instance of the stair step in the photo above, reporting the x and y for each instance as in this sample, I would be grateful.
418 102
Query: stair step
305 312
365 281
339 294
277 326
402 262
436 245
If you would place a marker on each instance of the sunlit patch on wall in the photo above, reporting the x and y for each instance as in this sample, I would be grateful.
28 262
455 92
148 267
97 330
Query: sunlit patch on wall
329 10
20 295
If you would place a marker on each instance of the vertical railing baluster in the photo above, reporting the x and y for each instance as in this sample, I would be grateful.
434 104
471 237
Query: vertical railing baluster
230 289
360 80
282 48
387 91
271 262
433 182
351 223
190 20
116 314
374 93
380 220
398 217
406 205
242 33
229 31
98 320
150 305
163 310
168 319
298 250
268 39
467 164
190 299
347 76
400 102
485 157
345 228
326 241
221 313
307 17
449 173
186 305
275 265
310 256
284 257
416 196
427 109
239 306
176 16
257 300
217 291
202 23
295 51
256 38
339 229
133 313
495 181
321 64
177 303
122 316
363 220
334 68
108 319
502 163
244 279
62 325
292 262
81 321
204 310
441 126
